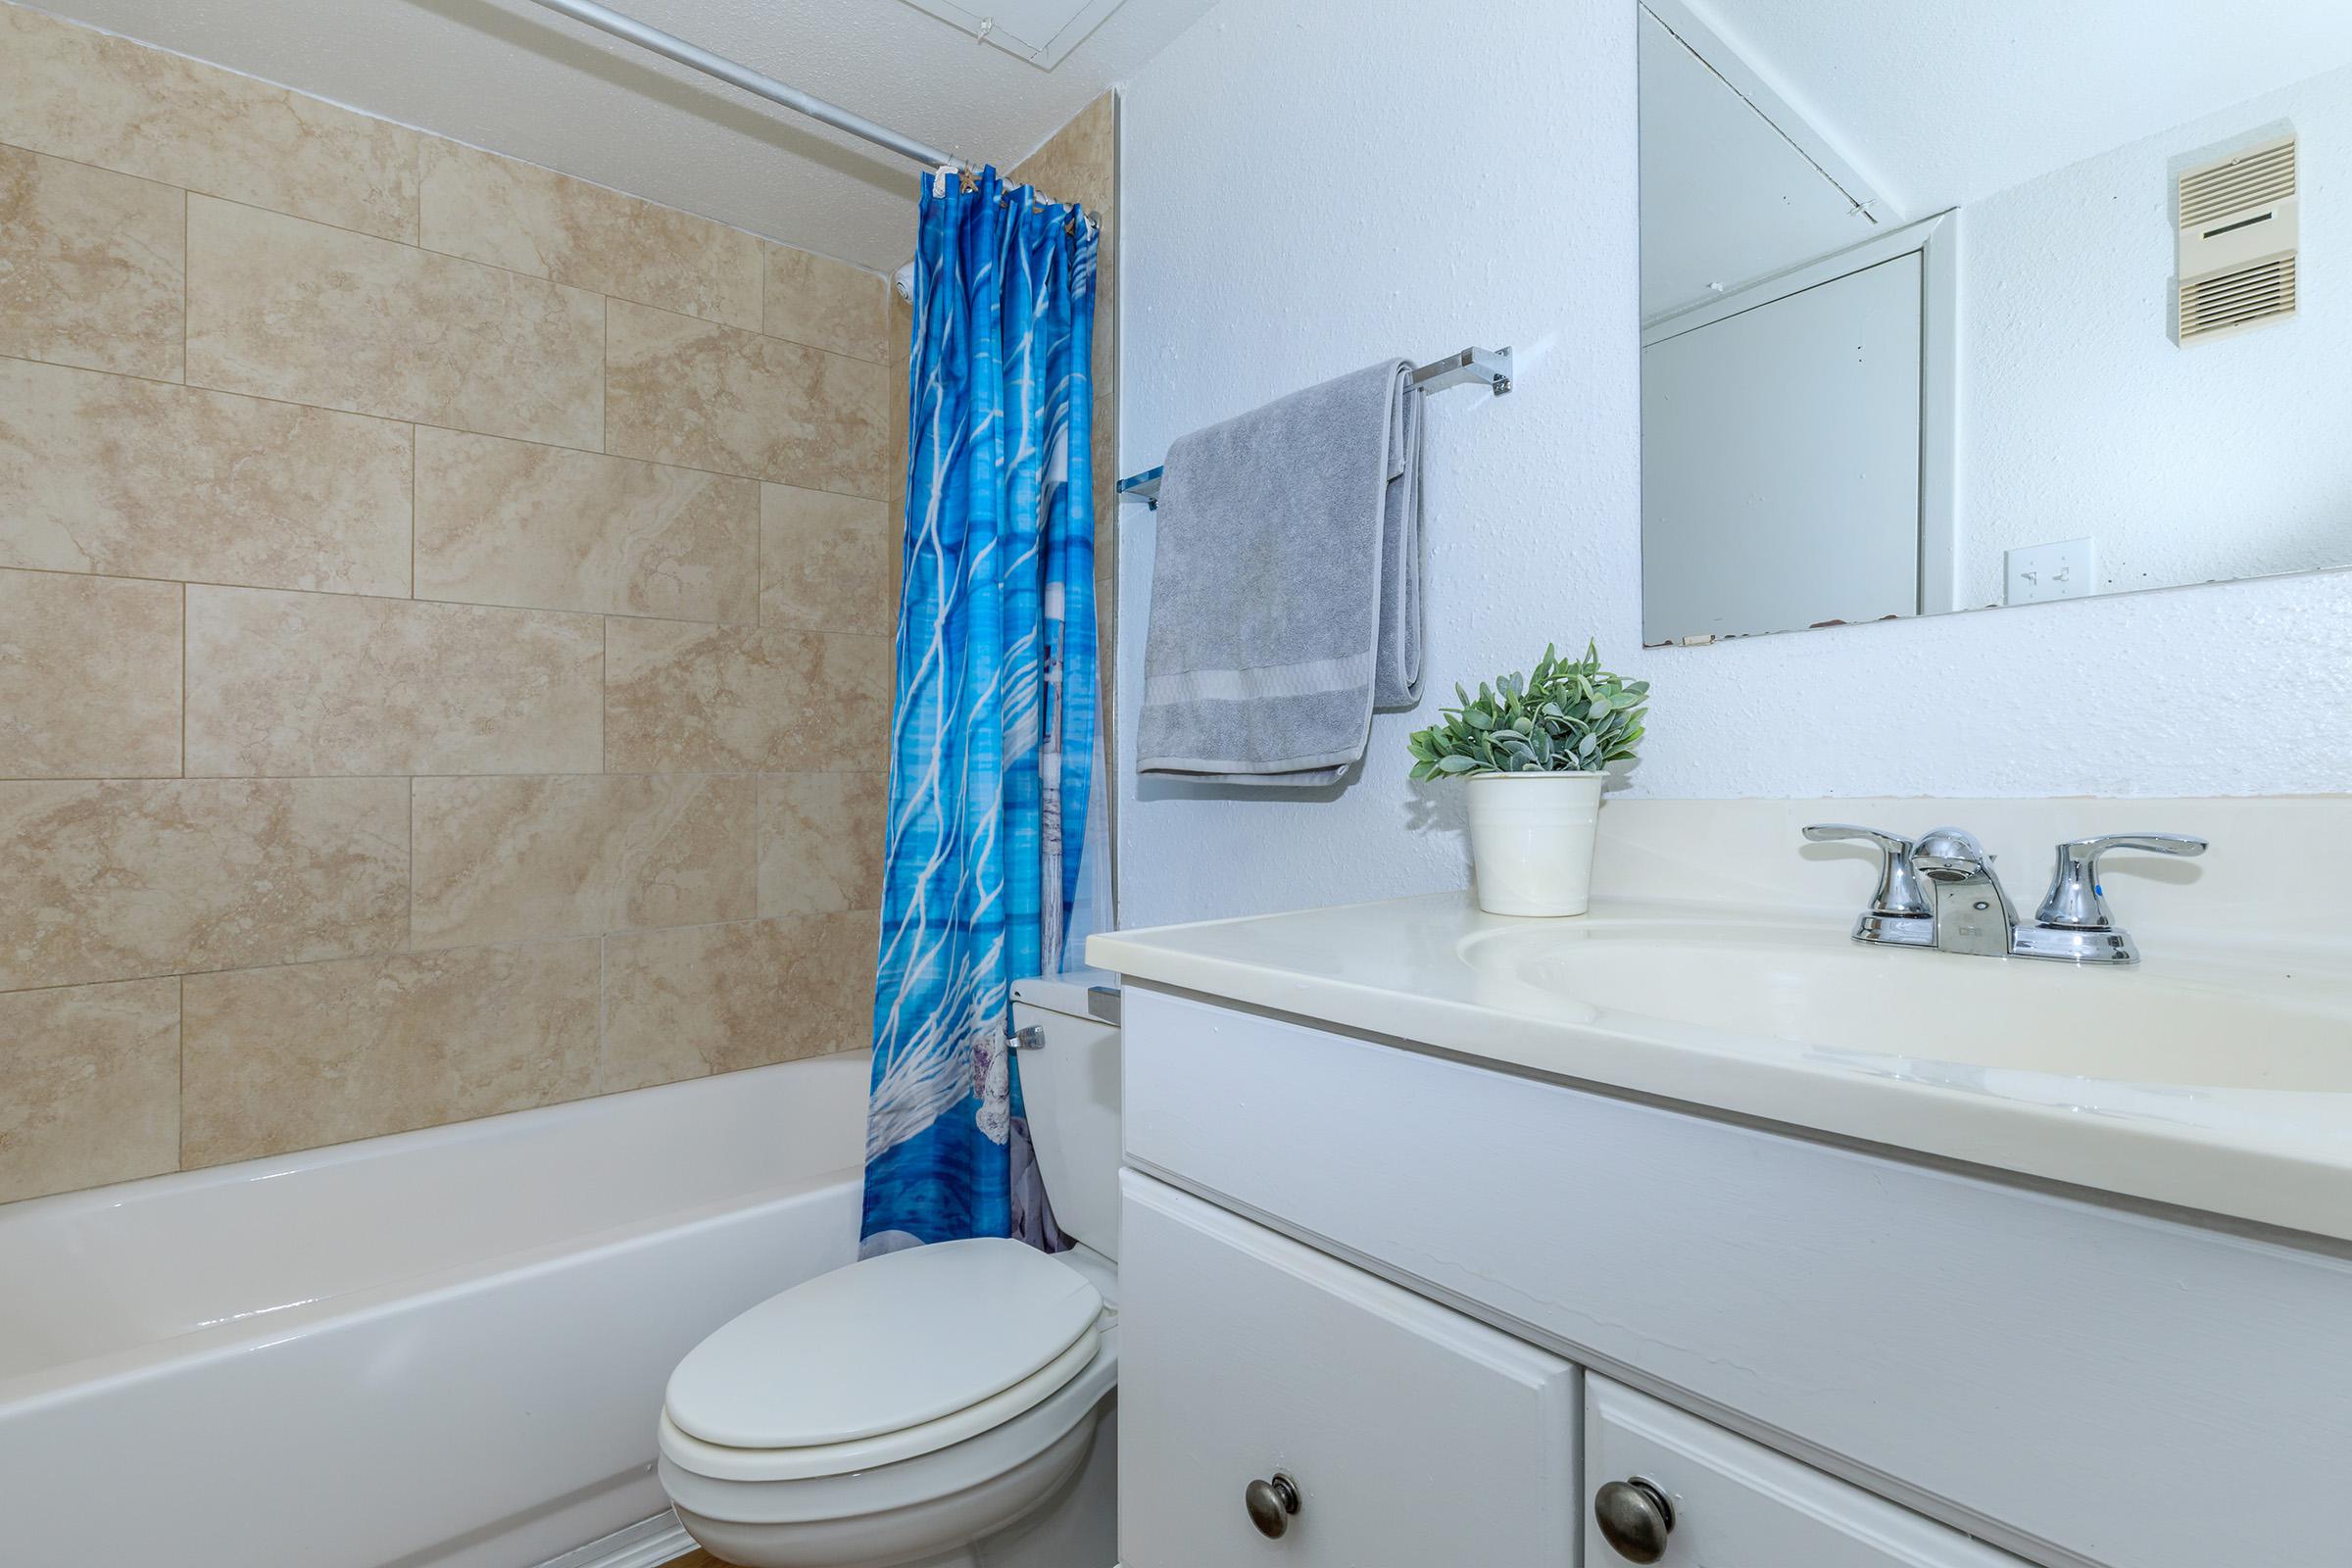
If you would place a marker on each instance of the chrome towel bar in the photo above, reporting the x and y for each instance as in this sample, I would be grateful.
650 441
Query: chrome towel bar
1487 367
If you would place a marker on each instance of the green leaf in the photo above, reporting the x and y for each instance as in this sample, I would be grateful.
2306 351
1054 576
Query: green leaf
1563 714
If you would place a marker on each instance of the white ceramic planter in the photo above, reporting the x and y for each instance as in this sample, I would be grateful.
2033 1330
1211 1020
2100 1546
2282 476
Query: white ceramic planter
1530 839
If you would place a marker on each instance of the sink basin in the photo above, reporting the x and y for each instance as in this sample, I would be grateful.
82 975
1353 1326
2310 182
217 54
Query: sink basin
2133 1025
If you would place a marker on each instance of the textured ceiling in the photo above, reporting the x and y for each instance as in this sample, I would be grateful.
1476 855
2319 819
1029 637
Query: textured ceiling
1941 104
511 77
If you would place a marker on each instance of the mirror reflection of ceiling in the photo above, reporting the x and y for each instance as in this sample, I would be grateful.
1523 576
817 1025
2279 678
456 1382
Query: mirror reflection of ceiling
1934 104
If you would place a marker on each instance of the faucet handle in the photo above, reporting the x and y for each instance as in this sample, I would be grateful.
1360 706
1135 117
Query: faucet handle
1898 892
2074 901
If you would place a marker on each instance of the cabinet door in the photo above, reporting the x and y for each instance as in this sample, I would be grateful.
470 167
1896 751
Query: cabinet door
1415 1436
1732 1503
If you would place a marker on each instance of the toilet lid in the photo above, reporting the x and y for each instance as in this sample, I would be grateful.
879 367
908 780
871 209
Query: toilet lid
881 1346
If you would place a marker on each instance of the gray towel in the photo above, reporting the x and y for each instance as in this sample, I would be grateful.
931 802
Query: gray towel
1286 589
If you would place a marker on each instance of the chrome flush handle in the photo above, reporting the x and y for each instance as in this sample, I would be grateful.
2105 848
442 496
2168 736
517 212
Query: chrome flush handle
2076 902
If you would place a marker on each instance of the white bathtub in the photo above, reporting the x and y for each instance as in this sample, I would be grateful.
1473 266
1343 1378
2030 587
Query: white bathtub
443 1347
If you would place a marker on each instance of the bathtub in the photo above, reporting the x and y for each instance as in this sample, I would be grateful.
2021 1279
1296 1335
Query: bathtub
442 1347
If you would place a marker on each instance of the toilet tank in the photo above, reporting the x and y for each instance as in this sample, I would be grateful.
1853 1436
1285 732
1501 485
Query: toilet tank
1070 1087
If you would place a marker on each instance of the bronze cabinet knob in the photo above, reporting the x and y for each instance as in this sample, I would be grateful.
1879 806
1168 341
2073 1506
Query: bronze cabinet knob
1272 1503
1635 1519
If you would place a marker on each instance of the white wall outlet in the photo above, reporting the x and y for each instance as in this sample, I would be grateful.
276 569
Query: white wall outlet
2068 570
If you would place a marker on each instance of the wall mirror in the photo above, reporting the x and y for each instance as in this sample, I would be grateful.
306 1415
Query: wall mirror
1954 306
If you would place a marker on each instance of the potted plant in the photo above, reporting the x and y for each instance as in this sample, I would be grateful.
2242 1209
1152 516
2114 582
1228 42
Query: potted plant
1532 749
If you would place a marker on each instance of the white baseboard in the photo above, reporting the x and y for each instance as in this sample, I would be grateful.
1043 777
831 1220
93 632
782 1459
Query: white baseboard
643 1545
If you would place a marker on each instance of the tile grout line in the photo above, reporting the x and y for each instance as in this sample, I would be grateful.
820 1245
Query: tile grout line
425 140
420 248
183 680
183 285
179 1038
453 429
418 226
409 931
412 598
416 202
515 272
379 778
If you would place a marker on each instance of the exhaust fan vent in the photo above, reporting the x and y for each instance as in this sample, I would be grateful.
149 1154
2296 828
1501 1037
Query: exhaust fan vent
2239 224
2248 182
2230 300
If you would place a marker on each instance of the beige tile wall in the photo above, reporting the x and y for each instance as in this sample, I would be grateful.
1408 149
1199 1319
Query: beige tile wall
444 613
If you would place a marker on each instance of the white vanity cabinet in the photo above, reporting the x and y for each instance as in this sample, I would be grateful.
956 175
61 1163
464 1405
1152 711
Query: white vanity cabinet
1399 1431
1277 1406
1379 1267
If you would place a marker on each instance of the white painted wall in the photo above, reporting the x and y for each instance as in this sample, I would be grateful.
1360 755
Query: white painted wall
1312 184
2081 415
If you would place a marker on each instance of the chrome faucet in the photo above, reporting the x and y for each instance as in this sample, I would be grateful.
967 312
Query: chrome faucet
1940 890
1971 908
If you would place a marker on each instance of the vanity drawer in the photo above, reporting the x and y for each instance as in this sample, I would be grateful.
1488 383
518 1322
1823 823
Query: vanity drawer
1732 1503
1415 1435
2075 1382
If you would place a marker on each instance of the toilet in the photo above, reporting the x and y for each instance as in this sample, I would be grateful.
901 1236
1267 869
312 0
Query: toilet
946 1406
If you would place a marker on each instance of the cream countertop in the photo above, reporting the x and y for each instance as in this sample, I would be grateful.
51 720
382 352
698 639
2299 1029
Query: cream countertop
2219 1082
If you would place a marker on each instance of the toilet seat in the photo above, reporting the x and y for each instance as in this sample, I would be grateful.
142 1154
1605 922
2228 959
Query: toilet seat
813 1460
887 1359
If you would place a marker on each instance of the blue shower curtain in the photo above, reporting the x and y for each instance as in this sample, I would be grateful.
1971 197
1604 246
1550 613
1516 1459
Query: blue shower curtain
994 731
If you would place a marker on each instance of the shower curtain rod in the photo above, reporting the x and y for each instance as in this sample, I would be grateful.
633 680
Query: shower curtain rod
629 30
